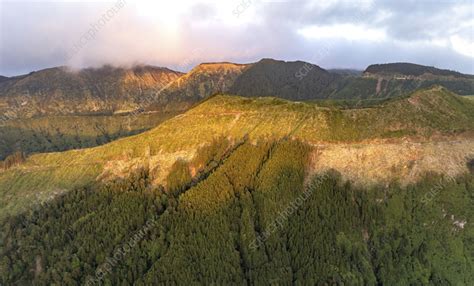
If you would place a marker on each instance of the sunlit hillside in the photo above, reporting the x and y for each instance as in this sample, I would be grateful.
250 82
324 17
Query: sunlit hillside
435 113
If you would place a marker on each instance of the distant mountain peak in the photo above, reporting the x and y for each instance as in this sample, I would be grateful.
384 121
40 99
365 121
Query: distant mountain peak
102 90
275 61
217 66
409 69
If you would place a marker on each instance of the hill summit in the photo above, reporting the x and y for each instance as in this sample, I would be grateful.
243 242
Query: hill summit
409 69
426 114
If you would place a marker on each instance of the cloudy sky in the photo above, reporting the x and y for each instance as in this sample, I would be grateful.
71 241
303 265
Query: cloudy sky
181 33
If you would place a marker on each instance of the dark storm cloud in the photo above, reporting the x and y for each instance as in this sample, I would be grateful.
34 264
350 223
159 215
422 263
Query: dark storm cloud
182 33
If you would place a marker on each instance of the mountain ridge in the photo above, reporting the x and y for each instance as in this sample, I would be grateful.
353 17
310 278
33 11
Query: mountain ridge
147 95
60 90
296 80
435 118
410 69
106 90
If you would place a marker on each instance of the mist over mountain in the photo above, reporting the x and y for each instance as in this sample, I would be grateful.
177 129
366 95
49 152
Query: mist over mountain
237 143
109 90
60 91
201 82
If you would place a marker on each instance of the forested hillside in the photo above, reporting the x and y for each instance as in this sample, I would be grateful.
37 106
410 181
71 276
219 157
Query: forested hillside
246 214
60 133
304 81
391 80
103 96
108 90
289 80
409 69
428 115
151 142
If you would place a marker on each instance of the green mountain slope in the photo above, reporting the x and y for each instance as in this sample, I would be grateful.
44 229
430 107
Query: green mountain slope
59 109
289 80
60 133
391 80
427 113
107 91
409 69
304 81
59 91
250 217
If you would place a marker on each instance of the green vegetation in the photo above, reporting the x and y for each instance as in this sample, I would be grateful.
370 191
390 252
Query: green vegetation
12 160
246 218
304 81
356 88
375 87
412 70
289 80
91 91
60 133
352 103
424 113
226 194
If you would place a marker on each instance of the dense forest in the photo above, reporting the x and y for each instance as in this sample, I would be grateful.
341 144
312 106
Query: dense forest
245 213
60 133
412 69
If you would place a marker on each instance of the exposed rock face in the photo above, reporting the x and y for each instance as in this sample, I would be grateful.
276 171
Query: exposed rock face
382 163
60 91
430 131
398 78
201 82
304 81
108 90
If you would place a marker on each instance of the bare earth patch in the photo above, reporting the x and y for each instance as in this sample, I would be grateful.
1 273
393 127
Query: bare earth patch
378 163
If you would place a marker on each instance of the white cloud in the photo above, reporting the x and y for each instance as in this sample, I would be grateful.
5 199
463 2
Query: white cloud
463 46
37 34
345 32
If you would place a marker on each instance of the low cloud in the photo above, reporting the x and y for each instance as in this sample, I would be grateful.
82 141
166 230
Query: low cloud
182 33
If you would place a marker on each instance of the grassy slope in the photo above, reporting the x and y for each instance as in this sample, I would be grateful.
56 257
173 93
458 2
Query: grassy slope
60 133
366 87
424 113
